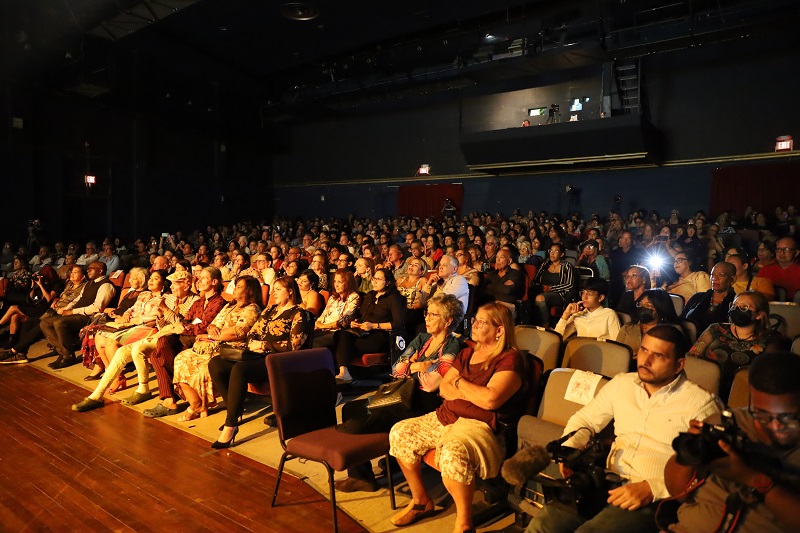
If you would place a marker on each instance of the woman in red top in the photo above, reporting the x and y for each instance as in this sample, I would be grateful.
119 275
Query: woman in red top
482 393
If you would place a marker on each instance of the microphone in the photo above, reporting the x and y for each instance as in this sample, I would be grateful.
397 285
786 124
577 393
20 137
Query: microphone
553 446
525 464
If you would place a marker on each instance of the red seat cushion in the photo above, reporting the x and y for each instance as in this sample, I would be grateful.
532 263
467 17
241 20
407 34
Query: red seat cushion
340 450
372 359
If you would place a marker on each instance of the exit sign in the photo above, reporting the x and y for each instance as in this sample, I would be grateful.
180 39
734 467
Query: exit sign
784 143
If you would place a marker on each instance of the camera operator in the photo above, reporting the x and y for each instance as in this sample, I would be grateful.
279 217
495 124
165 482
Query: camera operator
769 495
649 408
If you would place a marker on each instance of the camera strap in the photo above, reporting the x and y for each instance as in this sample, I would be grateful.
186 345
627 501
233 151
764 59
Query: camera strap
734 505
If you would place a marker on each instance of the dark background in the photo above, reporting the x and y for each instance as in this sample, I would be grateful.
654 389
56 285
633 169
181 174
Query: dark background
163 164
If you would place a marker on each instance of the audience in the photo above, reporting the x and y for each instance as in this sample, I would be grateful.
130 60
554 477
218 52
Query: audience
588 318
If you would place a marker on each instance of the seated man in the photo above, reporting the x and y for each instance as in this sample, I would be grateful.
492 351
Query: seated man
588 318
649 408
770 496
786 272
31 331
61 331
706 308
590 258
90 256
447 280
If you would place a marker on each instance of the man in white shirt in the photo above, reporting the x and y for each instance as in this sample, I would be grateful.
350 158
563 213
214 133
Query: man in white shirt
90 256
649 408
588 318
448 281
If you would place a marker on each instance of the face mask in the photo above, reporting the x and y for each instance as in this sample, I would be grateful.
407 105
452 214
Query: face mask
646 315
740 318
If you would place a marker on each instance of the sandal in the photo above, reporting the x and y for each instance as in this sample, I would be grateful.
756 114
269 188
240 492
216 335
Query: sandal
190 414
412 513
137 397
120 384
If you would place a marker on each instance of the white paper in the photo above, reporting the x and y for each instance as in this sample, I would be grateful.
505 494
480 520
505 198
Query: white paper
582 386
231 286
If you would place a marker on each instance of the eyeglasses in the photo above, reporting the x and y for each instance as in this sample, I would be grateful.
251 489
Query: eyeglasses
744 308
631 276
479 322
586 292
679 260
785 250
379 279
432 315
789 420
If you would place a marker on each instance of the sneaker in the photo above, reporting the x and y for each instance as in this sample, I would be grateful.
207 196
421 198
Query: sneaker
16 358
344 378
6 354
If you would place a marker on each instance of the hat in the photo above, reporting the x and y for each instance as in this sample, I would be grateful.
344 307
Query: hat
179 275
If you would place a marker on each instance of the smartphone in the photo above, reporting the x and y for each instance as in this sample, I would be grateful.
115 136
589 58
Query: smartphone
165 234
662 238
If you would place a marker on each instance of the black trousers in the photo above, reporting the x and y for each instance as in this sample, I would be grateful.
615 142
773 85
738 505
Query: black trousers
231 379
347 346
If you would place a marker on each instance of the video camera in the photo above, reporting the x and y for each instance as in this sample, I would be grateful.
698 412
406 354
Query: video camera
584 493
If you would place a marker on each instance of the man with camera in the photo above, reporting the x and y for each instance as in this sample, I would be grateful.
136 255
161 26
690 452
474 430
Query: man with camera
744 473
649 408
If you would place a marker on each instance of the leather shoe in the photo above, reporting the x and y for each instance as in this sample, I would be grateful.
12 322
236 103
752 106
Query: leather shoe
64 363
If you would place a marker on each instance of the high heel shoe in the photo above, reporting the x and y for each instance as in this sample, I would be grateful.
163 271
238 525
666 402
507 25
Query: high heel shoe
217 445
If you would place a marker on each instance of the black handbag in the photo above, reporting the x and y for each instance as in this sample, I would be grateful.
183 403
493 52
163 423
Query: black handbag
235 355
397 393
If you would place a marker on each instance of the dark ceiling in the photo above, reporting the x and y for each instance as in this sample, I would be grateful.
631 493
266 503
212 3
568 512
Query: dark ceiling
244 62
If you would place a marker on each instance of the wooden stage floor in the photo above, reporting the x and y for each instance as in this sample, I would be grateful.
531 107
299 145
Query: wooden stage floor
115 470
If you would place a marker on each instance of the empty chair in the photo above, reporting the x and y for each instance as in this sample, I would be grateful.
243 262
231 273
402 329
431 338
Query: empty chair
703 372
554 410
677 301
690 328
303 392
789 313
607 358
542 342
740 389
624 318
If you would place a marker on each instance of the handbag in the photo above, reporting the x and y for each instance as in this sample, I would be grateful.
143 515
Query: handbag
235 355
399 392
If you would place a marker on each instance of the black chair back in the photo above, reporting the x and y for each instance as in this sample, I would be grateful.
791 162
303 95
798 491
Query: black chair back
303 391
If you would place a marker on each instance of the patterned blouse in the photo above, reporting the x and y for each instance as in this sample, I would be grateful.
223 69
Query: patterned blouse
231 316
719 344
340 311
280 332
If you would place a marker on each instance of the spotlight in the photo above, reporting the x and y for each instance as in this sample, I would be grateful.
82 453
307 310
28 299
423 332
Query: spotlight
424 169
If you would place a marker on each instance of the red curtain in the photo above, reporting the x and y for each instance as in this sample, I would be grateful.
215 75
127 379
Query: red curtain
764 187
424 201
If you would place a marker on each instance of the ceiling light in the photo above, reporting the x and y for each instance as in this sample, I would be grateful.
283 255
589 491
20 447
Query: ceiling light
299 11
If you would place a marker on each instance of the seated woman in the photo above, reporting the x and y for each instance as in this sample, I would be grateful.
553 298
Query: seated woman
472 276
426 360
637 281
310 298
137 279
382 313
744 280
14 287
282 327
220 260
766 255
653 308
342 306
231 325
365 268
734 345
122 330
554 283
482 393
320 266
414 288
433 250
476 257
45 288
689 282
592 258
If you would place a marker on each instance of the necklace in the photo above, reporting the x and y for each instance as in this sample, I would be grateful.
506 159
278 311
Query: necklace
735 332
